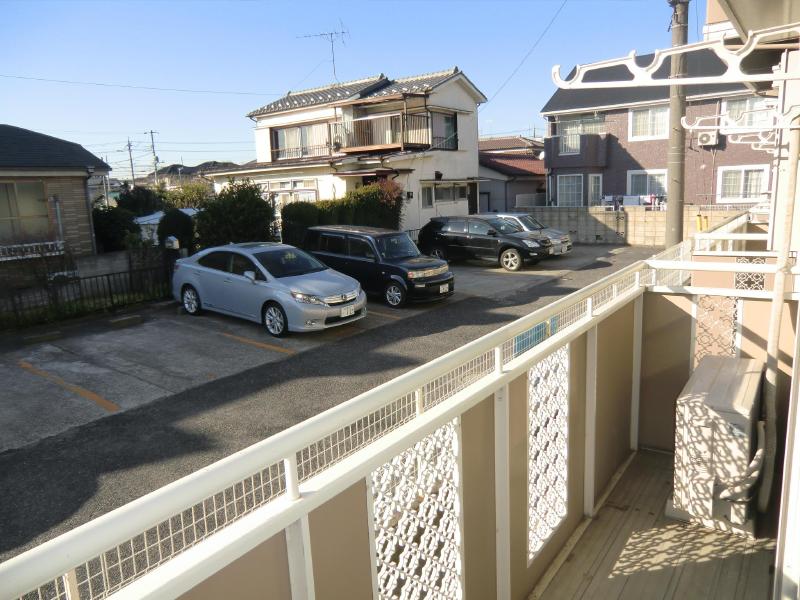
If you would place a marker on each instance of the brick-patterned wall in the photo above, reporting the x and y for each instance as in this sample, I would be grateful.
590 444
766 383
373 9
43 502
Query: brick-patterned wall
75 218
634 225
702 163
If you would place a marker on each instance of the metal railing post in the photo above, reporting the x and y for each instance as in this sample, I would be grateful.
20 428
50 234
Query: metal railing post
502 493
298 540
498 359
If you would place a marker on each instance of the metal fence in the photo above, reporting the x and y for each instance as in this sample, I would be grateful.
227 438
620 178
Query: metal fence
68 296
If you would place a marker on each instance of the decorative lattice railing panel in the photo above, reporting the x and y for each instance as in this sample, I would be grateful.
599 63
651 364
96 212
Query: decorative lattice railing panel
548 412
750 281
716 327
417 515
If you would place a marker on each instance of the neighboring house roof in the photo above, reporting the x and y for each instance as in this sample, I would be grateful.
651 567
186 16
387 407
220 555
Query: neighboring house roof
210 165
370 87
155 218
510 142
25 149
700 63
512 163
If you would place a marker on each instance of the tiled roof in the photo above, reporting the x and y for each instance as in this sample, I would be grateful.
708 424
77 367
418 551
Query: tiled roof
700 63
370 87
512 163
413 84
333 92
22 148
512 142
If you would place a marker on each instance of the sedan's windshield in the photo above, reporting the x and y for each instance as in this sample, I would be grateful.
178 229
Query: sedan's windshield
289 262
530 223
396 246
504 226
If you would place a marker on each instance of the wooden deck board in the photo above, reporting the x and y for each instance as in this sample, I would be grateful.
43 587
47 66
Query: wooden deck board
632 551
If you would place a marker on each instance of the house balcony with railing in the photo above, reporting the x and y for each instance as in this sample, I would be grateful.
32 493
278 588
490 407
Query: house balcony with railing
576 150
537 459
382 132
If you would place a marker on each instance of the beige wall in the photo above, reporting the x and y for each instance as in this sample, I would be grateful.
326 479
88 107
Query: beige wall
524 577
266 567
477 437
614 373
340 548
714 12
667 329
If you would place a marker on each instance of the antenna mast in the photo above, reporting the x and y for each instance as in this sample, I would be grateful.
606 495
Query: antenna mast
331 36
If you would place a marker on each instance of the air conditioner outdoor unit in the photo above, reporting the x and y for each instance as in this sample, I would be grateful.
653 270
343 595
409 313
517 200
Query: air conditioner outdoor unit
708 138
719 445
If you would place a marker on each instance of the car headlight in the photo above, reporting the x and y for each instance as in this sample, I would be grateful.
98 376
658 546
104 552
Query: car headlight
416 274
307 299
530 243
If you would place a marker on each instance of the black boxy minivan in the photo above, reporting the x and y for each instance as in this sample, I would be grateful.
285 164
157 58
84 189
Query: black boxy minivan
385 262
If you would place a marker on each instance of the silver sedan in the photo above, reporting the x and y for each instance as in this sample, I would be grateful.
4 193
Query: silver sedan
280 286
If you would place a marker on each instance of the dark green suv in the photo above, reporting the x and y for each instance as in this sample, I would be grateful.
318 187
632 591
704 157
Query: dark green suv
484 237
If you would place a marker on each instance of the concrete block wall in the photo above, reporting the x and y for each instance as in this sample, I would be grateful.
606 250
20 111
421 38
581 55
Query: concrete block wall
634 225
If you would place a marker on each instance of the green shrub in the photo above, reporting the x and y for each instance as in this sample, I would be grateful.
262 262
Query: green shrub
178 223
238 214
140 201
189 195
377 205
111 226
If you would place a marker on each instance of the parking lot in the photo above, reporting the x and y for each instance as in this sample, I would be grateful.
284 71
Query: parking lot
67 374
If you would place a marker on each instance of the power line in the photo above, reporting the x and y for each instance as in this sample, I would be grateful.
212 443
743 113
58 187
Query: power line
137 87
527 54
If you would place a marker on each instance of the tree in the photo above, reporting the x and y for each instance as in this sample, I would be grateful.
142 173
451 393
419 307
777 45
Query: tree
239 213
141 201
178 223
189 195
111 226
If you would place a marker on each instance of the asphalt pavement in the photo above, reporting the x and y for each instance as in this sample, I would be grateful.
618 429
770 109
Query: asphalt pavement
61 481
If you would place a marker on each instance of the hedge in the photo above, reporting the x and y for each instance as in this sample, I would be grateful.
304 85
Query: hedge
377 205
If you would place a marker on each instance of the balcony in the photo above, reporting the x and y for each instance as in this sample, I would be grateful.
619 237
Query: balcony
301 152
576 150
513 465
31 250
390 132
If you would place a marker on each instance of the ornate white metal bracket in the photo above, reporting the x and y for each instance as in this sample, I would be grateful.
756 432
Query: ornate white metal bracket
766 141
643 76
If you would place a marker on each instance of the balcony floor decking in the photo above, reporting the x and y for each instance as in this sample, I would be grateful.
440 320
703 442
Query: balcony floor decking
632 551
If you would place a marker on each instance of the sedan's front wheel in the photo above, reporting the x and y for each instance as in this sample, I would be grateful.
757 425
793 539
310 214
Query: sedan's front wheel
394 295
511 259
275 319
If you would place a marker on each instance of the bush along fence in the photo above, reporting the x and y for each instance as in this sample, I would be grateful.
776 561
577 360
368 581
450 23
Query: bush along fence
377 205
71 296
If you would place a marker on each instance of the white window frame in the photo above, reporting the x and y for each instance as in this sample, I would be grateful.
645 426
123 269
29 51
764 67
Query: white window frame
644 172
642 138
558 187
727 126
422 201
589 189
765 169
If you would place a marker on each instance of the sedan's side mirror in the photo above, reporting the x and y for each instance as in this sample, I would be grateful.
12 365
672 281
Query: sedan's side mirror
492 233
251 275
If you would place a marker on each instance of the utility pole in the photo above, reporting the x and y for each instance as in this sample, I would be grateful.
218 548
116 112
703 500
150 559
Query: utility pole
155 158
106 184
676 158
130 157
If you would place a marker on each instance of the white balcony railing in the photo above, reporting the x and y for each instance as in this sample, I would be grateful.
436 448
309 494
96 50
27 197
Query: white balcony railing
31 250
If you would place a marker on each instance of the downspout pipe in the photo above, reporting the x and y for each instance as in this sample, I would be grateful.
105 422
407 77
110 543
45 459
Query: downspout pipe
89 173
785 211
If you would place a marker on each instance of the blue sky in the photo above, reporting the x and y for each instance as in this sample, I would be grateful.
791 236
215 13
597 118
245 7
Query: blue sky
255 47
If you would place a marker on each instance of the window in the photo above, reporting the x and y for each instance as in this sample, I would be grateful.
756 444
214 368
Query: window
289 262
650 123
595 188
397 246
742 184
479 227
570 190
739 113
216 260
570 130
335 244
361 248
297 142
23 211
455 226
443 193
427 197
444 127
461 192
644 183
240 264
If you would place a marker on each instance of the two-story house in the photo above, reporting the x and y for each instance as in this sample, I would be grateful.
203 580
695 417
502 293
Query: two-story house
420 131
605 143
512 173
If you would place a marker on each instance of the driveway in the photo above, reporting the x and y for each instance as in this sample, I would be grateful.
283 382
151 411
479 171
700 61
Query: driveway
111 410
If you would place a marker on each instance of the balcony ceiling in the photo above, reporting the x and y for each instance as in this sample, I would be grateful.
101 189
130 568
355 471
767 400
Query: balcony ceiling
746 15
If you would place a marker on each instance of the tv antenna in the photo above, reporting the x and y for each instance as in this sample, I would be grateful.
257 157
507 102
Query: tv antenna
331 36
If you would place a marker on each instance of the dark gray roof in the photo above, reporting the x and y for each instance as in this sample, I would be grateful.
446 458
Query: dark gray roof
322 95
26 149
700 63
371 87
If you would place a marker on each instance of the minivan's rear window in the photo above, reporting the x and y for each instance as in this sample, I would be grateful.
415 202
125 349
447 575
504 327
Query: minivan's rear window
289 262
334 244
